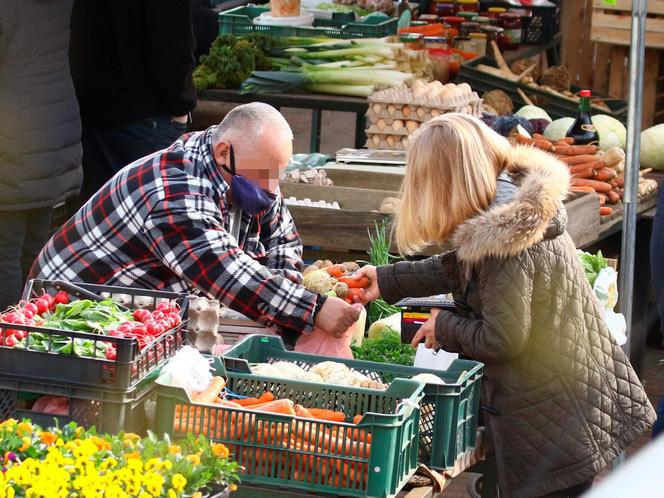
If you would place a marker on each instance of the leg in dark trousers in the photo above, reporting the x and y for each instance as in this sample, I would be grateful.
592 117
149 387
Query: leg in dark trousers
107 151
12 233
37 227
657 259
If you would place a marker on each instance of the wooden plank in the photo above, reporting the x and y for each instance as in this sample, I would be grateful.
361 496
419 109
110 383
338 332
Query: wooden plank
365 179
571 23
602 66
349 198
587 53
614 29
583 219
650 87
654 6
618 73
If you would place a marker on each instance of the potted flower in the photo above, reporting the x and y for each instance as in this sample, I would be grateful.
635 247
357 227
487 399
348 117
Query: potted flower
74 462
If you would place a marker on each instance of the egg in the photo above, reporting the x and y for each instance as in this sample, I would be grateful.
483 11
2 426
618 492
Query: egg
465 88
446 94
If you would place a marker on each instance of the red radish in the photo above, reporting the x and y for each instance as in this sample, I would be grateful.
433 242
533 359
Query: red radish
158 315
11 341
152 328
115 333
31 307
10 317
111 353
27 313
20 334
42 305
164 307
49 299
61 298
140 315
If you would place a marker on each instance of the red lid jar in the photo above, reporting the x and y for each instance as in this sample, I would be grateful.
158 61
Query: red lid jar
454 22
513 27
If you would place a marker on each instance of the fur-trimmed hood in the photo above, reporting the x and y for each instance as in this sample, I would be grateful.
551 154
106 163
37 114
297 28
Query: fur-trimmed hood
535 211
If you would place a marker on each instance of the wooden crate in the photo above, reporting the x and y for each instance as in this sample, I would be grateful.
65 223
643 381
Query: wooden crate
612 23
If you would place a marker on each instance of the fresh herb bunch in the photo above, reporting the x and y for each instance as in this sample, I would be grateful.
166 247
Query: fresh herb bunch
379 254
386 348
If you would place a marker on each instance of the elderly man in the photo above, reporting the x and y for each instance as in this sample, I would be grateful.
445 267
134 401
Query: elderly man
203 214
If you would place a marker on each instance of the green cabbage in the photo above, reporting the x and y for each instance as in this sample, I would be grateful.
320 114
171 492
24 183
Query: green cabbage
558 129
611 131
533 112
652 147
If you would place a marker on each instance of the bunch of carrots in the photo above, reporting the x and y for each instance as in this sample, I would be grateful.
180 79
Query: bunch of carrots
588 166
313 447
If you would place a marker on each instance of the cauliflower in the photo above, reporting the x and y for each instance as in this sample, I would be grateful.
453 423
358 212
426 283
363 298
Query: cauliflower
319 281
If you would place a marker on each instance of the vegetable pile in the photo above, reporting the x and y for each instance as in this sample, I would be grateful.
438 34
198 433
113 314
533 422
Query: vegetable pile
592 264
102 318
336 280
327 372
343 441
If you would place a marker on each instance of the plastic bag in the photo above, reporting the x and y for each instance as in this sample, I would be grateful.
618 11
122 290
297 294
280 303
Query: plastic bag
53 405
606 287
433 359
321 343
617 325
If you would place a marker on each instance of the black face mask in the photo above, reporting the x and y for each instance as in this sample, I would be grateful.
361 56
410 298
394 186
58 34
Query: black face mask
246 195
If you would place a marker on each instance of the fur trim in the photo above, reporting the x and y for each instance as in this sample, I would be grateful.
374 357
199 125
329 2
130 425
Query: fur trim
512 228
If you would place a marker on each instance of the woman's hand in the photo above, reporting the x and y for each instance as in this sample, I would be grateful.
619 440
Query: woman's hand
371 291
427 332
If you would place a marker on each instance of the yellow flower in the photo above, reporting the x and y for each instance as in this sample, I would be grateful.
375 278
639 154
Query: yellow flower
47 438
59 442
27 442
178 481
195 459
152 464
134 455
220 450
174 449
172 494
197 494
24 428
232 487
145 495
167 465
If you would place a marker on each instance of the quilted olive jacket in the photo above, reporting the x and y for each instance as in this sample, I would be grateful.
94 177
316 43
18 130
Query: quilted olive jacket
562 398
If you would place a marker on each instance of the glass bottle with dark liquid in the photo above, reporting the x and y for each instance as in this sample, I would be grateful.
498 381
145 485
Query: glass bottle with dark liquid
583 130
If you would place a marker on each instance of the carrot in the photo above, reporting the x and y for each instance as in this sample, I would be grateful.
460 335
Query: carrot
353 283
211 392
583 173
613 196
301 411
354 293
336 270
602 199
265 397
247 401
565 141
620 180
580 159
329 415
605 211
587 190
605 174
285 406
597 185
230 404
598 164
357 418
540 144
575 150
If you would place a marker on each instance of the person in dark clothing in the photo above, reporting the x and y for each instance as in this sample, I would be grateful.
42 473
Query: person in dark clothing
132 64
657 269
40 132
206 25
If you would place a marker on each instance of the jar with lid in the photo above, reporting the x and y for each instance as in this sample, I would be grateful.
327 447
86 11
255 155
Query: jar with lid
464 44
468 16
495 12
494 33
480 43
482 20
454 22
412 41
511 23
435 42
440 64
442 9
468 5
470 27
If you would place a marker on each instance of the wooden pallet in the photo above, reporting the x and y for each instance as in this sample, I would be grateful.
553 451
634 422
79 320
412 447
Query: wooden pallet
612 23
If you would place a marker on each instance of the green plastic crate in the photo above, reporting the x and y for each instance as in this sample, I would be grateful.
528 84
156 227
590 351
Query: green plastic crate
448 419
239 21
261 442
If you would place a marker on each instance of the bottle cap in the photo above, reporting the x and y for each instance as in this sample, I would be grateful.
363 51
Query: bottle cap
585 93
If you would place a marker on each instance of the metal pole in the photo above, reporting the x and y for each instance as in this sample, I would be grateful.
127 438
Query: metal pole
630 201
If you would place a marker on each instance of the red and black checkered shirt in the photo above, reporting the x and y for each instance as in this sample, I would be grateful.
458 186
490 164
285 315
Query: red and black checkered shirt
162 222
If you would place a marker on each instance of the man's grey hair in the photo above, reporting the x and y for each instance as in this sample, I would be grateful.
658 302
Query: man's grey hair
247 123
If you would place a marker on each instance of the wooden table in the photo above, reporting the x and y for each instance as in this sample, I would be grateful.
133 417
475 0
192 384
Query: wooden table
317 104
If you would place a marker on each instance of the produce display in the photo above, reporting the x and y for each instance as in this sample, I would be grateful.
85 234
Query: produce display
386 6
102 318
328 372
592 264
385 348
592 170
396 113
313 176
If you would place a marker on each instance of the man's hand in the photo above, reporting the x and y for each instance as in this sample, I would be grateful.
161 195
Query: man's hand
427 332
371 291
336 316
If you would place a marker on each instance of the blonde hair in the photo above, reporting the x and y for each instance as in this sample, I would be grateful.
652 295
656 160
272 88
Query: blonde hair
453 163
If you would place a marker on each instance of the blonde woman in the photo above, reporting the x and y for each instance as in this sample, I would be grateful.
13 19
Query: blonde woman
561 398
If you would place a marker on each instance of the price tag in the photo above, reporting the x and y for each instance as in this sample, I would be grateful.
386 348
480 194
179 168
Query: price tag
610 2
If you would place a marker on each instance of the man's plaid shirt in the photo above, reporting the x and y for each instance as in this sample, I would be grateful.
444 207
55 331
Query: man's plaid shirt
163 223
